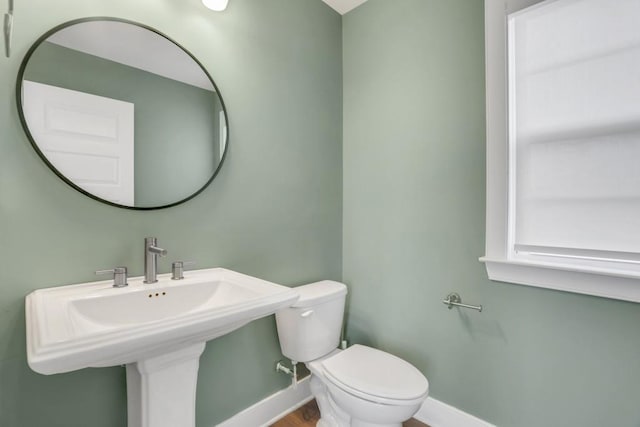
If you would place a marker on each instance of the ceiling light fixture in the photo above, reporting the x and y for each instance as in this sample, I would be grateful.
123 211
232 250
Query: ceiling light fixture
217 5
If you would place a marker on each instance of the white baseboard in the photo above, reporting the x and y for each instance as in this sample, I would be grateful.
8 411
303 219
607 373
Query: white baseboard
439 414
274 407
271 409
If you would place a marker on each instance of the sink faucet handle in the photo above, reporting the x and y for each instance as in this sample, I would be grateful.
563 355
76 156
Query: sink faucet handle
177 269
119 276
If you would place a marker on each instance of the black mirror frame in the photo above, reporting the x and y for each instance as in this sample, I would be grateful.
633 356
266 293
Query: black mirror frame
23 121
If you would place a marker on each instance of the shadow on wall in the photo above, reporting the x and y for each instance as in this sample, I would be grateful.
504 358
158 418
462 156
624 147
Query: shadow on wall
478 326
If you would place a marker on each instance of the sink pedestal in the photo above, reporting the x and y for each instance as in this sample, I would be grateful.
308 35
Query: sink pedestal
161 390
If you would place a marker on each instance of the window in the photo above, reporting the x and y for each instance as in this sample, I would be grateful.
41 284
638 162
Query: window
563 196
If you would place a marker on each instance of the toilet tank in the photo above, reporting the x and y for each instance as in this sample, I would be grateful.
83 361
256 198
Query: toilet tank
311 327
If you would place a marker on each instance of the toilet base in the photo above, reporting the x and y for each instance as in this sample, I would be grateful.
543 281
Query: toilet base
332 415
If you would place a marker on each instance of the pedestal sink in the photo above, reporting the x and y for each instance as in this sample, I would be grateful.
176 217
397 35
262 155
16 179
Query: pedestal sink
158 331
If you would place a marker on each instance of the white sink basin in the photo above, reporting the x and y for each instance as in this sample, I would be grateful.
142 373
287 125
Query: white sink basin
95 325
158 329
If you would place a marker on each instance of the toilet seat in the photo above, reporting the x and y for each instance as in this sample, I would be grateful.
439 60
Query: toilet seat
376 376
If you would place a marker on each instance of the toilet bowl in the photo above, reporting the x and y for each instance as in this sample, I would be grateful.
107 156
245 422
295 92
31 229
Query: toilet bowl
359 386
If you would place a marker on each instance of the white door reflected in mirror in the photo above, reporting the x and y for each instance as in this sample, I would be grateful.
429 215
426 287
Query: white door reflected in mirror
86 137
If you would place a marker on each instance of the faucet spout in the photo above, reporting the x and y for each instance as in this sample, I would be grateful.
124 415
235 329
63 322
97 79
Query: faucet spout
151 253
156 250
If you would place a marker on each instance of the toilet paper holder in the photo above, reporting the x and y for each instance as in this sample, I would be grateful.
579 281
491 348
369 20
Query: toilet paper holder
453 299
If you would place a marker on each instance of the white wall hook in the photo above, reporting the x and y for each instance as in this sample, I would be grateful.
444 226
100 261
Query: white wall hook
8 29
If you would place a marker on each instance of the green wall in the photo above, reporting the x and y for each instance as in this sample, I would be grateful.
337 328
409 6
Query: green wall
176 125
412 213
274 211
413 229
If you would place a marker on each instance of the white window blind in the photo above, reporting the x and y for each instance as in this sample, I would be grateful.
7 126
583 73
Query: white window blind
574 130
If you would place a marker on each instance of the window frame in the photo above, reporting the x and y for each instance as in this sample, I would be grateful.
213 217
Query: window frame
545 272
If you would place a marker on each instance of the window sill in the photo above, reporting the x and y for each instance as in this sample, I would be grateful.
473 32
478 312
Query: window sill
598 282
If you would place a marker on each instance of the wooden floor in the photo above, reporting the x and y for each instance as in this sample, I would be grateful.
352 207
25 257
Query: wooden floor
308 415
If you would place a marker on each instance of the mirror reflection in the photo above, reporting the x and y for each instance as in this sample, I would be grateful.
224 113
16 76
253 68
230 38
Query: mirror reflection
122 113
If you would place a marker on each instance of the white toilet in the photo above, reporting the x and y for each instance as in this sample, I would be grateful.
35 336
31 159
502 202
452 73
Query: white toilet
359 386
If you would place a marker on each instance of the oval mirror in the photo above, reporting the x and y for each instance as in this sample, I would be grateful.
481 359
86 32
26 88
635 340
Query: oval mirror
122 113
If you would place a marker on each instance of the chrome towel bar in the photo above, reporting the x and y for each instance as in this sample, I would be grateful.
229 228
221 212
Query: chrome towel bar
454 299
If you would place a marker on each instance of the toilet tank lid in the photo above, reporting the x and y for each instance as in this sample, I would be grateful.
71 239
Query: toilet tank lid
319 292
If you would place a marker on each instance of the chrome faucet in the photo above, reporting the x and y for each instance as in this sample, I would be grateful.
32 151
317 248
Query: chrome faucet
151 252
